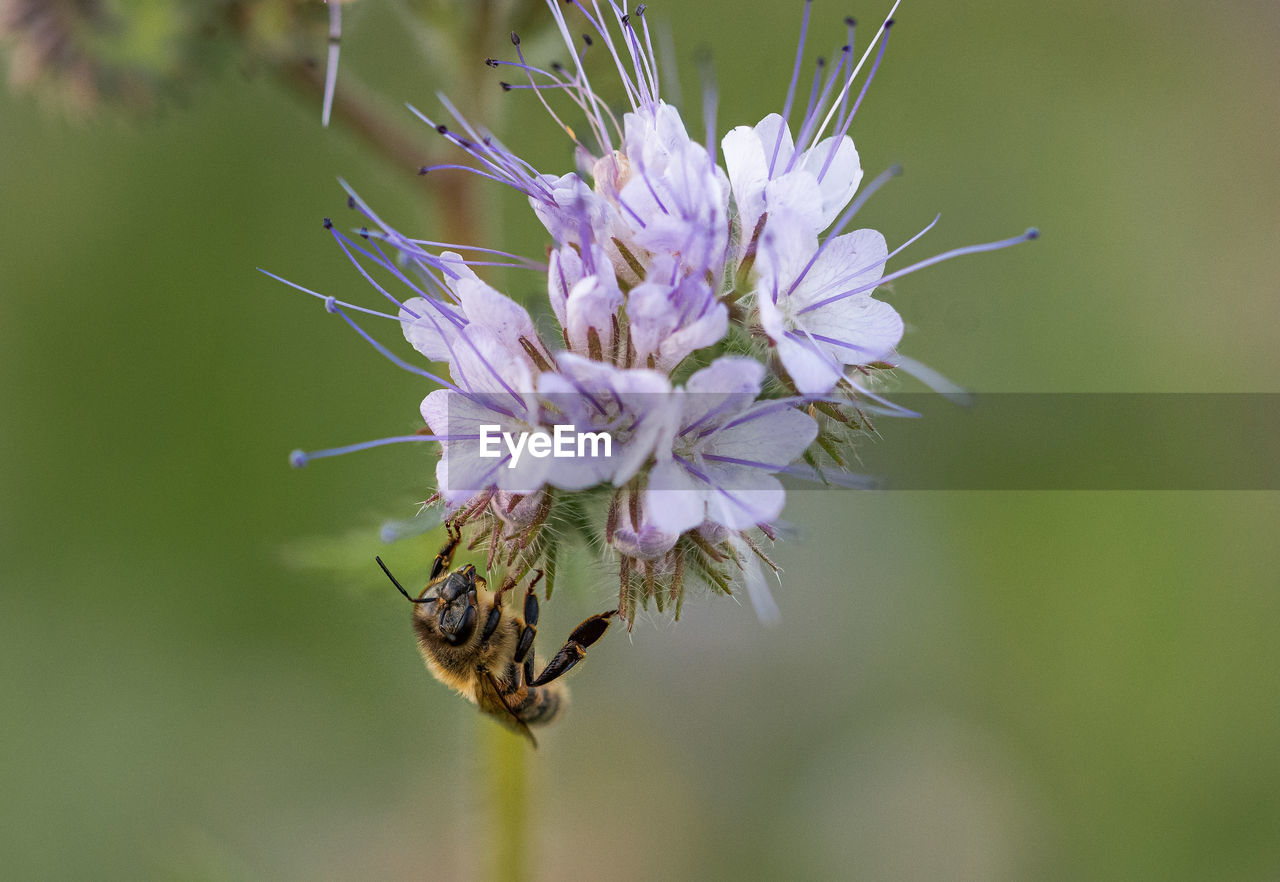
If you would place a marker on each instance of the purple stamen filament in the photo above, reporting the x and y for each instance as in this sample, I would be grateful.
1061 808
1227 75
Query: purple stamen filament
843 221
300 458
946 255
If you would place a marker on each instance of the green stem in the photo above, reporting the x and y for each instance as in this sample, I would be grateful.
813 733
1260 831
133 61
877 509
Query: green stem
506 758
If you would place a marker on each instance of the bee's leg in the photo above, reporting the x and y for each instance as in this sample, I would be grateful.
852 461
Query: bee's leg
528 668
495 614
530 625
521 669
444 560
575 647
491 623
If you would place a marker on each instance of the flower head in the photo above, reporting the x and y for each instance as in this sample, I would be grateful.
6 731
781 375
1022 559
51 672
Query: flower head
716 324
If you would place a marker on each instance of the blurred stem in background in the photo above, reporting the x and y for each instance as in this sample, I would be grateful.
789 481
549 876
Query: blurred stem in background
95 58
454 35
98 58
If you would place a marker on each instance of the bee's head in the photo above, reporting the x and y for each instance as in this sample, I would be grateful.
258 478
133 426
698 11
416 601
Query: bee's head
448 607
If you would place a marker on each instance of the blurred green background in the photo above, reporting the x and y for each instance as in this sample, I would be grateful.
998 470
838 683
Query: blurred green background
969 686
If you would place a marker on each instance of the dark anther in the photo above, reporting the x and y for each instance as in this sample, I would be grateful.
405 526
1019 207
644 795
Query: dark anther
586 38
423 170
351 202
822 62
888 24
515 39
851 21
845 48
328 224
364 232
442 129
626 20
1033 233
506 87
557 66
640 9
492 62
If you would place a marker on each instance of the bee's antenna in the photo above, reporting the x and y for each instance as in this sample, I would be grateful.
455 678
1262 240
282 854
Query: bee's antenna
394 581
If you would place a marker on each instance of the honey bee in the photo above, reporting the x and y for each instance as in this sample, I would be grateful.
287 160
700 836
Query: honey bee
471 643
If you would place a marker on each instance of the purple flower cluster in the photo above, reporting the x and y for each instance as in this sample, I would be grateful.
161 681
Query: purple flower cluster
715 321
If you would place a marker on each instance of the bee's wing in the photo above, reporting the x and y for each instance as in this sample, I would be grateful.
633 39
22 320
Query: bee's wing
489 698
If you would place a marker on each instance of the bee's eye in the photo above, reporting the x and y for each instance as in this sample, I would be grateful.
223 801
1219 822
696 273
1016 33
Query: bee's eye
466 627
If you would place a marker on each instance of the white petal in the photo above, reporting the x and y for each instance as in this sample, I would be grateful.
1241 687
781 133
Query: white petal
707 330
591 305
486 307
435 411
575 208
743 498
843 175
799 194
767 433
457 269
718 393
748 174
868 329
563 272
681 207
658 325
652 134
637 408
673 499
427 328
652 316
461 472
786 246
527 475
749 154
812 372
486 365
728 374
777 150
771 319
752 576
651 436
848 261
